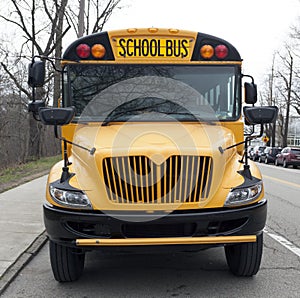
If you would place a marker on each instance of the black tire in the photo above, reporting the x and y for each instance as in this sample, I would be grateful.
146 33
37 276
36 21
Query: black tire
67 263
244 259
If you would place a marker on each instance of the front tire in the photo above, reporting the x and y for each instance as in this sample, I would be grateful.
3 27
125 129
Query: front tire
244 259
67 263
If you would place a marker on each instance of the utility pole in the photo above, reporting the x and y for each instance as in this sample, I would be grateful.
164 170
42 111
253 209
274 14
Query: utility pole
81 18
273 125
289 87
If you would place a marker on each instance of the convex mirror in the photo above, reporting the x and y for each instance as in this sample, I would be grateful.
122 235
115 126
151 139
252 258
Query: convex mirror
56 116
260 115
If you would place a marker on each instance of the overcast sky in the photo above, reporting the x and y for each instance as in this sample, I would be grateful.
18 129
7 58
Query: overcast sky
255 27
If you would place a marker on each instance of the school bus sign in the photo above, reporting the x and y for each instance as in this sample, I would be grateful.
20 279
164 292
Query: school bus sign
153 47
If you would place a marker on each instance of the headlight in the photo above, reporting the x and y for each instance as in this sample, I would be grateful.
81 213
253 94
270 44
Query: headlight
75 199
242 196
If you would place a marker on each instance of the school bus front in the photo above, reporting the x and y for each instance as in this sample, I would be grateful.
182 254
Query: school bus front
153 163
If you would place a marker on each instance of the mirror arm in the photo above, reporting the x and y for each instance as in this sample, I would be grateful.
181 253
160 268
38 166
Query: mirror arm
91 151
248 76
65 175
222 150
48 59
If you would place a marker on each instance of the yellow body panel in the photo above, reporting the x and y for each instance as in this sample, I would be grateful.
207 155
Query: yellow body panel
156 142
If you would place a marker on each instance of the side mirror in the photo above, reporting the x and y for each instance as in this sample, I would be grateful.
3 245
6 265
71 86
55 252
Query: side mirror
56 116
36 74
260 115
250 93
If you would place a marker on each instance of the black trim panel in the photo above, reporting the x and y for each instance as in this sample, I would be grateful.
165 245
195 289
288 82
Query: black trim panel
64 226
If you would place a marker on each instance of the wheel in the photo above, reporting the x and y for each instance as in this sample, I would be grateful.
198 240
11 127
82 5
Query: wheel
67 263
285 165
244 259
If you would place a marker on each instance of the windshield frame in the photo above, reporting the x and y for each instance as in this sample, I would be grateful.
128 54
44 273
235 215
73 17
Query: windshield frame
237 97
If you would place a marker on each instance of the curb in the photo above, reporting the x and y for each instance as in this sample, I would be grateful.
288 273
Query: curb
11 273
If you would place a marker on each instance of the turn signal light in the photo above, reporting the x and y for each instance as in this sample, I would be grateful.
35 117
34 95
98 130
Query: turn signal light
98 51
83 51
207 51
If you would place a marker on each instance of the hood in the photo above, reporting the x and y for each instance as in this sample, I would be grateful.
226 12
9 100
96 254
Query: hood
163 139
138 147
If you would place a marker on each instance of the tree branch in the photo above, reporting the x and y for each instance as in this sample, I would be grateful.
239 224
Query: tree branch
14 79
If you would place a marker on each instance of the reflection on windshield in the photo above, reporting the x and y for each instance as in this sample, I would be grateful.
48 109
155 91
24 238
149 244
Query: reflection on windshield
148 92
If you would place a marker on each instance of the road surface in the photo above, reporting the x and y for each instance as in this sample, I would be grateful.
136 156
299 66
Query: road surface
202 274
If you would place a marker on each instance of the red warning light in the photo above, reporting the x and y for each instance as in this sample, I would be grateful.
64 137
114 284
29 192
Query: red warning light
83 51
221 51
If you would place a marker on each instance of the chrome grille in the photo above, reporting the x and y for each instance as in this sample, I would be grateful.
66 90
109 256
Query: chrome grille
137 179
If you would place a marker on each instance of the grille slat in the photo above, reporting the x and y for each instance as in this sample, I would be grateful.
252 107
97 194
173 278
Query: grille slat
138 180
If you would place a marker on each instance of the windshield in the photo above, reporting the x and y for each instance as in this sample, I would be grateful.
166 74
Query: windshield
121 92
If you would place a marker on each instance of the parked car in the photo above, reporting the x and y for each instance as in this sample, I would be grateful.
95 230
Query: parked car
250 151
257 151
269 155
288 156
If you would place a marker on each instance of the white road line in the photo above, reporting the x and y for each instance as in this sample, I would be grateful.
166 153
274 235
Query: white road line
287 244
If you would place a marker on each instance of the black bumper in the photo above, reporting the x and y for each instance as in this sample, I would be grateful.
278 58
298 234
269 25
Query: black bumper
65 226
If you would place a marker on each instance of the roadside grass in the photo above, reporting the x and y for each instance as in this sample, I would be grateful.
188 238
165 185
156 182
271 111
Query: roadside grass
14 176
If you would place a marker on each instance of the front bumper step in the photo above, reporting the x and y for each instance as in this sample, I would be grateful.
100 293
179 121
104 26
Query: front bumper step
165 241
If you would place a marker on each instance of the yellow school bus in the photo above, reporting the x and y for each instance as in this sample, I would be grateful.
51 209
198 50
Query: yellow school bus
153 145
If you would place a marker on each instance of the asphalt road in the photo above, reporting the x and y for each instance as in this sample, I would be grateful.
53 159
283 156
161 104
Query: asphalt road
202 274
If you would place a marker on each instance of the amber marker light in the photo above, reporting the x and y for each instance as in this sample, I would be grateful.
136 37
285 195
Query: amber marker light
98 51
207 51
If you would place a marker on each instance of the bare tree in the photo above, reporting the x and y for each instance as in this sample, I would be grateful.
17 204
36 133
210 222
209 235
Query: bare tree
285 88
41 27
95 15
295 37
269 97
